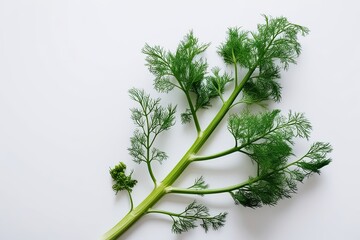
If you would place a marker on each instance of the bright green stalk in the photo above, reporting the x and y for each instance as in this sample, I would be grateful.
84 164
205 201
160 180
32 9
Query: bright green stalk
162 188
235 69
193 112
216 155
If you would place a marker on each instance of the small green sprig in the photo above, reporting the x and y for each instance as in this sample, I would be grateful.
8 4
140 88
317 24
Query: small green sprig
193 213
122 181
265 137
199 183
151 119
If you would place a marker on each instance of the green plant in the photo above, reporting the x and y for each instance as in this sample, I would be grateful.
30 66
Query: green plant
266 137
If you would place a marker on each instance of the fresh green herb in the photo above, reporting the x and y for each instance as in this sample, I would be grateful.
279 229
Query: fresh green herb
182 222
266 137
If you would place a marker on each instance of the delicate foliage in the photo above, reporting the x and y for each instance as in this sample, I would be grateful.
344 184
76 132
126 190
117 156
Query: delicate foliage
138 146
237 48
247 128
158 62
151 119
157 155
270 126
122 181
159 118
275 41
278 180
186 116
264 85
315 159
267 139
271 153
199 184
267 190
300 126
194 213
183 65
186 66
211 87
186 70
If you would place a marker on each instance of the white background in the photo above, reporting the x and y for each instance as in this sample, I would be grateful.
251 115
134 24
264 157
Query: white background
65 69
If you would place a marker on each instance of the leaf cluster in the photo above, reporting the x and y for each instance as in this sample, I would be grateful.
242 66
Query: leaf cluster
273 46
248 128
122 181
276 41
194 213
267 138
183 68
314 159
186 70
237 48
151 119
281 182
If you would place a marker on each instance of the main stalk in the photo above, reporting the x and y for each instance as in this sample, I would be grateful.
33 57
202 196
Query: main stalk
161 189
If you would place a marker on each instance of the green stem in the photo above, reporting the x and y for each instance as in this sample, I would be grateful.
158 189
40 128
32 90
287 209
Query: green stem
235 68
131 201
162 212
229 188
193 112
134 215
162 188
211 191
216 155
148 162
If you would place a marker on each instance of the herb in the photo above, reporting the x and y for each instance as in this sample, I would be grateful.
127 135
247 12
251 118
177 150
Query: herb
266 137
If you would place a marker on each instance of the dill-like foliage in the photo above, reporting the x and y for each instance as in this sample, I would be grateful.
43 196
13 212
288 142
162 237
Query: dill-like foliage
194 213
151 119
248 128
186 70
266 137
278 179
237 49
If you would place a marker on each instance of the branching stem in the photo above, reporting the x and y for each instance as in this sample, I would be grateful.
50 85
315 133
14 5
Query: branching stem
229 188
193 112
264 51
238 148
162 188
148 146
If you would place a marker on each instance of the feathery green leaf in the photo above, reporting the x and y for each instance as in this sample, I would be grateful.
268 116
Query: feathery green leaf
194 213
